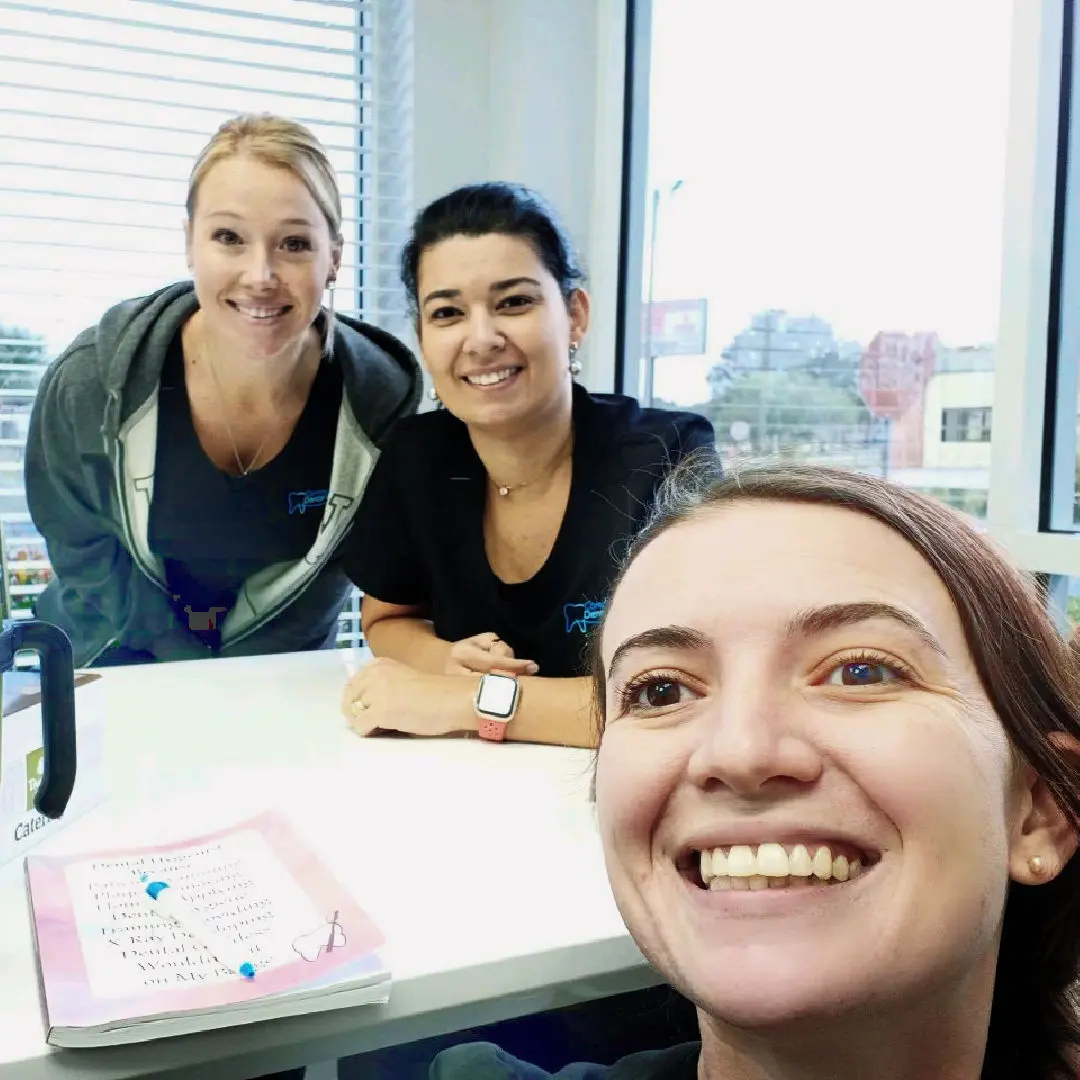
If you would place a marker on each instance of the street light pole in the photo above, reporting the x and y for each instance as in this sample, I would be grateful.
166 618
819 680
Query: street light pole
647 394
647 352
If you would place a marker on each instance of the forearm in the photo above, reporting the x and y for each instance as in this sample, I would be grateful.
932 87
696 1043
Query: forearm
555 711
410 641
558 712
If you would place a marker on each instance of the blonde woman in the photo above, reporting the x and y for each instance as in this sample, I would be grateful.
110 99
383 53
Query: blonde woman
195 459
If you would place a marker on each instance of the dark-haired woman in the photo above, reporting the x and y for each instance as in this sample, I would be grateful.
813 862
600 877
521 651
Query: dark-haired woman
491 528
838 790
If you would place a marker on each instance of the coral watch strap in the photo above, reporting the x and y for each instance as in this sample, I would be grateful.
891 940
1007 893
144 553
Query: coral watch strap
494 730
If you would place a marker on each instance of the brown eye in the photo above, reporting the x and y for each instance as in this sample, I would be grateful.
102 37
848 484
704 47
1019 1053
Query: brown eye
516 302
659 694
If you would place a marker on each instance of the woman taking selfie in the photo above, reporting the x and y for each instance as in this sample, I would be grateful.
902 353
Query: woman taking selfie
838 790
195 459
493 526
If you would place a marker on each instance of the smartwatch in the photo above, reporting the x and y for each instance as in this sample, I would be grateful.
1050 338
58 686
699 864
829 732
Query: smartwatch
496 702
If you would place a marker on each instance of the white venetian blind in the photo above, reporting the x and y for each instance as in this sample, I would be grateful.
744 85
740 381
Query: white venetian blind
104 105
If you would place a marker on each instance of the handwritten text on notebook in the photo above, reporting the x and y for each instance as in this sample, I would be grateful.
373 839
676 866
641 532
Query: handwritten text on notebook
238 886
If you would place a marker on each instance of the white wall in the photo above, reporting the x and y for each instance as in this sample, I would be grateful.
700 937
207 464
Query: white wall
530 91
955 390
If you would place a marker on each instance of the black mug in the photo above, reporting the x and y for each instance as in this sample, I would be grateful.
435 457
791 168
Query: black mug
57 706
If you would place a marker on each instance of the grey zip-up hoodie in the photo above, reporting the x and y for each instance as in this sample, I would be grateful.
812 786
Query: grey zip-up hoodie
90 460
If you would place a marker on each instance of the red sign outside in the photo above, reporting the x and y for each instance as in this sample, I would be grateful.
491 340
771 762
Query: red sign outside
674 327
894 371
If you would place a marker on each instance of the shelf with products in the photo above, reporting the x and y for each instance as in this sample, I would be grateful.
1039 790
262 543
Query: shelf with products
24 566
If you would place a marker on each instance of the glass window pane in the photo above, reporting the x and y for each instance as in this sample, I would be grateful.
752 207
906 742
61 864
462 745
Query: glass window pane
104 106
823 230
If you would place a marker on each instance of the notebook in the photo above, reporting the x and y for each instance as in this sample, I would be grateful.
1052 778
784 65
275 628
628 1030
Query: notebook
113 970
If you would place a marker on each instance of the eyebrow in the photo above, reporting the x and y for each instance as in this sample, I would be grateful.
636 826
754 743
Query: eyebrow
683 638
496 286
832 616
239 217
804 624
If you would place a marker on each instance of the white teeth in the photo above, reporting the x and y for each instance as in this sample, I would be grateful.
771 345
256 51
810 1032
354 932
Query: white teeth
822 863
800 864
770 865
259 313
741 862
489 378
772 861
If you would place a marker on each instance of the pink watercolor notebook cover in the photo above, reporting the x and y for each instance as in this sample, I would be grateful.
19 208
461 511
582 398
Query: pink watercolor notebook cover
108 963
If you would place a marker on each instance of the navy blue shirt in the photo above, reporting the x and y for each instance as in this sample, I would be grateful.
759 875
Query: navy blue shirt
213 530
485 1061
418 536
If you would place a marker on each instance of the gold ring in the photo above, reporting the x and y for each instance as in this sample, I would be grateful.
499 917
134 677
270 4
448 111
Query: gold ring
358 707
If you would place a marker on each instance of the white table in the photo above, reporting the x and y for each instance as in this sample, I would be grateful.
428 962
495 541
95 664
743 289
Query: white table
480 862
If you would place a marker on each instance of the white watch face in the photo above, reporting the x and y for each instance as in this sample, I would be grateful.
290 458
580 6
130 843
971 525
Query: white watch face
497 696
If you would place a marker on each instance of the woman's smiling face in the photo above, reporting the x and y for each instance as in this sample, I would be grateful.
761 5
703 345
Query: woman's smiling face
784 679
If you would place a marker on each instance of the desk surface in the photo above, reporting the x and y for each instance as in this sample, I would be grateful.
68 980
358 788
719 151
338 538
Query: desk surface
480 862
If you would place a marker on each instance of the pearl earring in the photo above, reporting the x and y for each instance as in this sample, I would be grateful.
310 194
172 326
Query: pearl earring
1036 865
575 363
433 394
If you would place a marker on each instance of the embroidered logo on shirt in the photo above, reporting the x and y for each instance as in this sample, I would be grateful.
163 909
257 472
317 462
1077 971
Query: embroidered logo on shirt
584 616
300 502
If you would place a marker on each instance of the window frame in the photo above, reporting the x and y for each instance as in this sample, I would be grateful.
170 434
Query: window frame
1026 399
381 153
1060 505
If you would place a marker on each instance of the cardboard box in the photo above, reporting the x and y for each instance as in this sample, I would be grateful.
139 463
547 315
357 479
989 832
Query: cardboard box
21 759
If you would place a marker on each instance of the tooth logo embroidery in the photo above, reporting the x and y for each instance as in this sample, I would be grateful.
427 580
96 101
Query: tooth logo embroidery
300 502
584 616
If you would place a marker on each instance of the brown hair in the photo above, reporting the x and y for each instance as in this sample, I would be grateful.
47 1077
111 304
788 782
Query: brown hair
1029 674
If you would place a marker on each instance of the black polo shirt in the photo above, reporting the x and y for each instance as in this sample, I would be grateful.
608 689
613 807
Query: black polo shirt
214 530
418 535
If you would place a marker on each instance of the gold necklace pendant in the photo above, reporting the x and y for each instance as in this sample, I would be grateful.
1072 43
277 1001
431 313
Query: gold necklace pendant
505 489
243 471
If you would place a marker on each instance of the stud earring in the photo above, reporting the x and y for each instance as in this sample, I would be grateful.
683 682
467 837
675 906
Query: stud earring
575 363
1036 865
434 395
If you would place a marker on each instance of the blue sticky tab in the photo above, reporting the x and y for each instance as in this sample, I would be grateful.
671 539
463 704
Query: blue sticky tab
248 971
155 888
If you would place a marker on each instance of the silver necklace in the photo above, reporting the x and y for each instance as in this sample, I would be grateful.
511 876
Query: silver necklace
244 470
